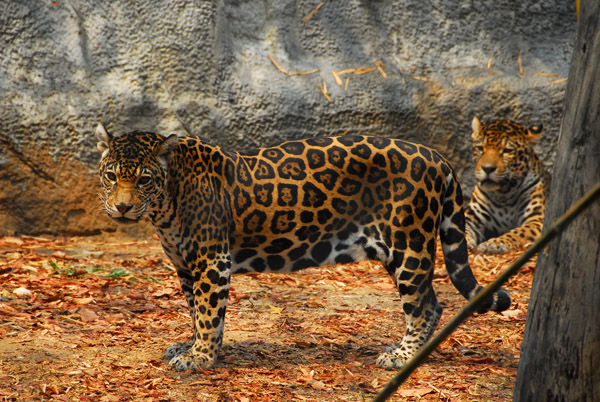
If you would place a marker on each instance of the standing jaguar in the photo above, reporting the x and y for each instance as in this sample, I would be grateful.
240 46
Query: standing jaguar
507 207
284 208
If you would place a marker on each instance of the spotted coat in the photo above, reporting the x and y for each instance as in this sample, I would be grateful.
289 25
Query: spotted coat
288 207
507 207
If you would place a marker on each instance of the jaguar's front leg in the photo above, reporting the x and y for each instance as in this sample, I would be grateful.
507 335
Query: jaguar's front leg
210 294
186 281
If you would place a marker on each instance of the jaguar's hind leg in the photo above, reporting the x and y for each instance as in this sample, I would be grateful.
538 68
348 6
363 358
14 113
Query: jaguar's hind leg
421 308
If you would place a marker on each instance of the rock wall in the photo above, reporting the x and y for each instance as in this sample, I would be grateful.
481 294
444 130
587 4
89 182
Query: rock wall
421 70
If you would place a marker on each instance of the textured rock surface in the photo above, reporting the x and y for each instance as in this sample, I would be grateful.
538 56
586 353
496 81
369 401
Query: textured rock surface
203 68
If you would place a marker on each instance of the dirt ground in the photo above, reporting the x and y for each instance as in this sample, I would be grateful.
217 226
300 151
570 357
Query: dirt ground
89 320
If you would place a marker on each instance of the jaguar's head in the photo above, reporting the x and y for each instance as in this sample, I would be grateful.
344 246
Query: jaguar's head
133 171
503 152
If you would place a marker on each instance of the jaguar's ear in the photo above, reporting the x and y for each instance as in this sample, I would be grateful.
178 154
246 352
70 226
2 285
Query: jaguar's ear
168 146
476 127
103 138
534 132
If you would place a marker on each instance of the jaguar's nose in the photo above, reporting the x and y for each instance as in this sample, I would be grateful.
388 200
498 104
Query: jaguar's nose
122 208
488 169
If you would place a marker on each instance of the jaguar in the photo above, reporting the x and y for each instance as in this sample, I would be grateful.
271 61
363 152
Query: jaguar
287 207
506 209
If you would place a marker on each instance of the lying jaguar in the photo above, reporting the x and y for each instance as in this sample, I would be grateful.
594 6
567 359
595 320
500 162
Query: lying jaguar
507 207
284 208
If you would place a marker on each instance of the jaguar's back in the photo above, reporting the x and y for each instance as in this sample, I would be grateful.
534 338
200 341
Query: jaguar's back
336 200
296 205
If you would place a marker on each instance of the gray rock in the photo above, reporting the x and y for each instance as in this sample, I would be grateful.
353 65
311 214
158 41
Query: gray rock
203 68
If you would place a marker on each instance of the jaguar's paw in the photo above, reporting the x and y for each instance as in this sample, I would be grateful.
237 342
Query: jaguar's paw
177 349
187 361
493 246
393 358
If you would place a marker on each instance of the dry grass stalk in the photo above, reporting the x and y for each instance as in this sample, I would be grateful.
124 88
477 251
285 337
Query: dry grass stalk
489 63
558 81
277 66
549 75
402 76
520 62
312 13
337 78
380 67
284 71
346 84
316 70
324 91
364 70
346 71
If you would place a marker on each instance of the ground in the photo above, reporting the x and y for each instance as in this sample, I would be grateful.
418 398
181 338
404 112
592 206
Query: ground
83 319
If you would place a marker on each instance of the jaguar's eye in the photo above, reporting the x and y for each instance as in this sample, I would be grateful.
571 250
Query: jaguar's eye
143 180
111 176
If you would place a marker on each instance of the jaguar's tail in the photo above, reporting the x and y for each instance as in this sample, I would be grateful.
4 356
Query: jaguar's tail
454 246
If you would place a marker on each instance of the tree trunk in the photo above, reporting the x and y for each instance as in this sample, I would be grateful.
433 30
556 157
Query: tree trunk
560 357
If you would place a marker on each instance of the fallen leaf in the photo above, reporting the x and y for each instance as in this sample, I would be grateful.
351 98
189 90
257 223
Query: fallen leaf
87 315
162 292
22 292
134 294
512 313
8 310
10 257
83 300
13 240
317 385
59 254
275 310
415 391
